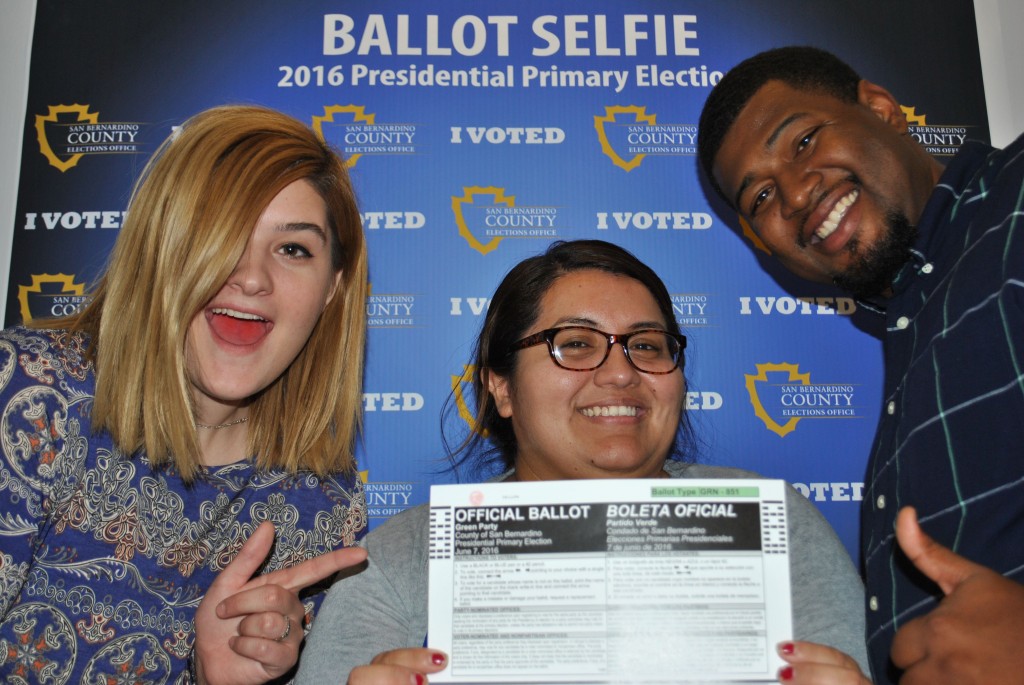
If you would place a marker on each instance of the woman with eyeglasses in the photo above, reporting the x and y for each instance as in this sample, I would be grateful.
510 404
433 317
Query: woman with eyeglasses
580 375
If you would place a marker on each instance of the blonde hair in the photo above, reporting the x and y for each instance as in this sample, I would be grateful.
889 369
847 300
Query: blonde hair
190 217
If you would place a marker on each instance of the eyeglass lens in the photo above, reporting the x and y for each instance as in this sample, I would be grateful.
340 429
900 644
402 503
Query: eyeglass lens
584 348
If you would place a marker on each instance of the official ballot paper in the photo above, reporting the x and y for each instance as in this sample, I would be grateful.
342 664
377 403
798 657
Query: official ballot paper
609 581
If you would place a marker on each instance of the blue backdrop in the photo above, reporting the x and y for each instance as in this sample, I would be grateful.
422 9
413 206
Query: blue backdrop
476 133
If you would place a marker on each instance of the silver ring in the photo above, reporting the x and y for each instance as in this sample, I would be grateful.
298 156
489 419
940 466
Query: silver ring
287 628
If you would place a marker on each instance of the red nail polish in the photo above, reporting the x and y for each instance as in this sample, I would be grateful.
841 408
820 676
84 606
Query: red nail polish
786 673
786 648
437 658
420 679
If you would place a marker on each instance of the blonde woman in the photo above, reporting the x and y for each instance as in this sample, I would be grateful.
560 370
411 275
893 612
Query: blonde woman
176 465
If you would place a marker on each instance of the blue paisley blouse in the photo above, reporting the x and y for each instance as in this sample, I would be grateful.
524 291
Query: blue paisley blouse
104 558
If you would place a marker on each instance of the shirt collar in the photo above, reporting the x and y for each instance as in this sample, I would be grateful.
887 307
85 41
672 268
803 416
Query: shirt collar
960 170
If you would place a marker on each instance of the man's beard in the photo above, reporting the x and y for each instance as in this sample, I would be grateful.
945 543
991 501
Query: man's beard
873 270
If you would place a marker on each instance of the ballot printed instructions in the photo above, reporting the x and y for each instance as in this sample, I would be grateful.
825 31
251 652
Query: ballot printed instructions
601 581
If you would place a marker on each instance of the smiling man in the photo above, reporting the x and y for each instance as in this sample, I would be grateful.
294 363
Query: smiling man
821 164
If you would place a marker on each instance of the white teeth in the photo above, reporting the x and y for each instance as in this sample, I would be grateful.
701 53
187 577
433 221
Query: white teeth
830 224
237 314
609 411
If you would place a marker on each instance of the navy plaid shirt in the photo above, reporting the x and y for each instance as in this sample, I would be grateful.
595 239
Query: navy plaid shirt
950 440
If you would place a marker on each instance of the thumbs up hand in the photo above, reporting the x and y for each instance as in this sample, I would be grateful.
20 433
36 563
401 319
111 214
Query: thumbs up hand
975 634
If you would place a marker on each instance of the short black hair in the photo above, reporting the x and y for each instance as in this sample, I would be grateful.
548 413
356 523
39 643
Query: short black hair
801 67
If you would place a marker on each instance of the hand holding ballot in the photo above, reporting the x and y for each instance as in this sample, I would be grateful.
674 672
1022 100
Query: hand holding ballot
813 664
579 377
399 667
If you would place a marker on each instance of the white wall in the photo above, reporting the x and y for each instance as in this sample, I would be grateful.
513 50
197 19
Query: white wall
15 45
1000 25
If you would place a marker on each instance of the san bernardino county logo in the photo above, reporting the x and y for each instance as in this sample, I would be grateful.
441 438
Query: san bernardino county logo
356 133
782 397
941 141
485 215
49 296
628 134
755 240
384 499
66 133
390 310
692 310
462 405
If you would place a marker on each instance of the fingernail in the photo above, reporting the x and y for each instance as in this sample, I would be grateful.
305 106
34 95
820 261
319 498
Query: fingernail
786 648
419 679
786 674
437 658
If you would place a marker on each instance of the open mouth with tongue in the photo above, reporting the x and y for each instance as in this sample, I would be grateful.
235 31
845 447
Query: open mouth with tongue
237 328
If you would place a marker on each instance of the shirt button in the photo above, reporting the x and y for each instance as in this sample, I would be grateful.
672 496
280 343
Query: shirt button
890 408
902 322
880 502
927 268
873 603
